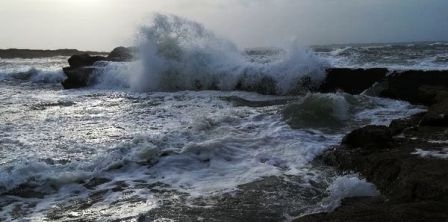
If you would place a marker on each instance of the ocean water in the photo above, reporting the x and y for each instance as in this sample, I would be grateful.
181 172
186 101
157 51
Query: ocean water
143 143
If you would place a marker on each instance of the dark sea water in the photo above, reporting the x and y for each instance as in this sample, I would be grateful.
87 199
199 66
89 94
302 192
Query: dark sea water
141 144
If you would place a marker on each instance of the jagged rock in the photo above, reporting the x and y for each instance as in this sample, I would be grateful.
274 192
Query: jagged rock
353 81
399 173
369 136
415 186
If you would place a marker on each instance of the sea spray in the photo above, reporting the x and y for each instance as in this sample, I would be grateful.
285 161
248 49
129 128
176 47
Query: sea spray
178 54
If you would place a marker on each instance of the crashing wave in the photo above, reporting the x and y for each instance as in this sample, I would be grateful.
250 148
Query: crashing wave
178 54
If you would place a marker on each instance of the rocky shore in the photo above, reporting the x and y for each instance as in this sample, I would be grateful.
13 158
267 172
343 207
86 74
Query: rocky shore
407 161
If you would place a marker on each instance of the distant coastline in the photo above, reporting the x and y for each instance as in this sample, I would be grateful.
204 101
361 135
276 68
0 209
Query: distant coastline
33 53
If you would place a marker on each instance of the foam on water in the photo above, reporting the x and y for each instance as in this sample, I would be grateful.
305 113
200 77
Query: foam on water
399 56
194 142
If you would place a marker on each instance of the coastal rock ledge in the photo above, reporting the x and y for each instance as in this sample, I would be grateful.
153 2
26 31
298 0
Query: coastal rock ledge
407 161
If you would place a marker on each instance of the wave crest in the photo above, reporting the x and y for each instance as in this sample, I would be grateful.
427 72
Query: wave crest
178 54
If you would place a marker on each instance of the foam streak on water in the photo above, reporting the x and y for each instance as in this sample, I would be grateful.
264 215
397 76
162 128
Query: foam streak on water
138 141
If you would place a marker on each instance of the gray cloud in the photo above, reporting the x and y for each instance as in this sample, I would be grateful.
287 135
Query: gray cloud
103 24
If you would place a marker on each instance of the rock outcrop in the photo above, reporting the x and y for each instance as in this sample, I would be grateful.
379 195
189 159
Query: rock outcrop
353 81
415 86
407 161
81 70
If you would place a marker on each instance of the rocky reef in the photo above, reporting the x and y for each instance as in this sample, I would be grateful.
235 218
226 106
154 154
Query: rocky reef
407 161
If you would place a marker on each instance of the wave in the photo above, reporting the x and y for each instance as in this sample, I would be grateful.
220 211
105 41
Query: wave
34 75
178 54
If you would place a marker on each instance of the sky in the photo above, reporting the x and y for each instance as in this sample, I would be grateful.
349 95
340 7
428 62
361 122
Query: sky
105 24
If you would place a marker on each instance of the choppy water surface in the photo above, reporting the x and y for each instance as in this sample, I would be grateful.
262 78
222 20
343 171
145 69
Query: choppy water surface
116 154
139 145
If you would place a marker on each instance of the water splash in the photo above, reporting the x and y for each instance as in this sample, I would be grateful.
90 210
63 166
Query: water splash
178 54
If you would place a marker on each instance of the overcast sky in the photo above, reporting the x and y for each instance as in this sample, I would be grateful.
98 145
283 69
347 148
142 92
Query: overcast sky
104 24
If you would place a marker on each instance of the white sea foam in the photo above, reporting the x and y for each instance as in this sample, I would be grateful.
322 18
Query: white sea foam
178 54
348 186
439 154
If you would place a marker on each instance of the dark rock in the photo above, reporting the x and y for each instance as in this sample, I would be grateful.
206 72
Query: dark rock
77 77
399 125
122 54
411 85
83 60
378 136
376 209
353 81
437 115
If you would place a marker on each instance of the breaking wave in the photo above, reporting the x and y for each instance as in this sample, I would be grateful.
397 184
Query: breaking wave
178 54
35 75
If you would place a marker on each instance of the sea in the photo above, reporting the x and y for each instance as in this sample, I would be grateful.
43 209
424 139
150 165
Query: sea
167 138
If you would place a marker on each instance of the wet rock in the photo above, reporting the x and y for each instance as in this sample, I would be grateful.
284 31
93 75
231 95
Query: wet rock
377 209
399 125
83 60
82 66
369 136
437 115
415 85
77 77
353 81
415 186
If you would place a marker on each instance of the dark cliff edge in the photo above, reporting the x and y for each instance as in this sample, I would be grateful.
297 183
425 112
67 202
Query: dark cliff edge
34 53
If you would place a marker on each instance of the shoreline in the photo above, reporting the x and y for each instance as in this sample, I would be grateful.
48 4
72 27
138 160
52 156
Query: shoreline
407 161
413 186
